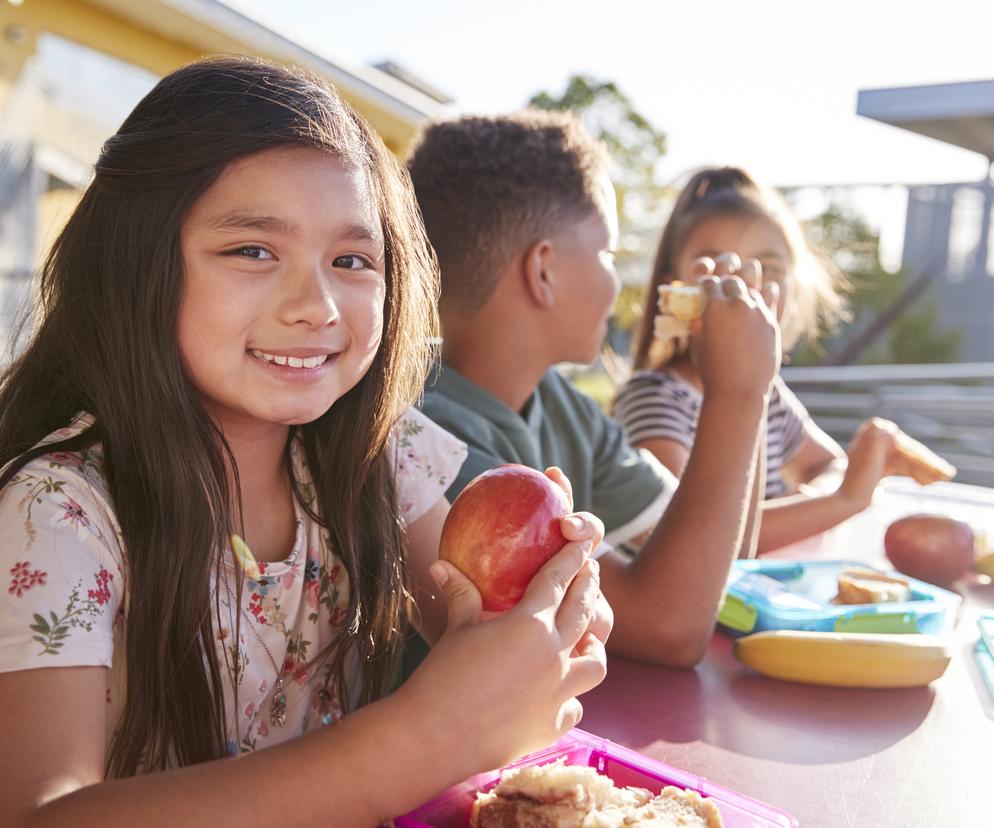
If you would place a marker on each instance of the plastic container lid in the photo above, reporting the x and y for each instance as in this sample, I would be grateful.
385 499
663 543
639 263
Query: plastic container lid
451 808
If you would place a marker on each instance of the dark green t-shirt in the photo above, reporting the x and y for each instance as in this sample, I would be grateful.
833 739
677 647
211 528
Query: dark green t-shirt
558 426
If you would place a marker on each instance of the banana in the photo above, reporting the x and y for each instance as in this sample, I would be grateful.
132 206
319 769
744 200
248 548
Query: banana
845 659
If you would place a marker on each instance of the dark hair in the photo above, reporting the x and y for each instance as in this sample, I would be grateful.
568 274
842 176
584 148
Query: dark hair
815 302
106 343
490 187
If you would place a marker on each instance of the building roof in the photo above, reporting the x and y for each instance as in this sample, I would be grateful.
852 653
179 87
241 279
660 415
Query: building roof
238 26
961 114
395 70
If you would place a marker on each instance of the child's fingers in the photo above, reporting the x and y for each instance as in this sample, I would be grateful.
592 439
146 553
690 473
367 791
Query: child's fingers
734 288
727 264
580 526
704 266
711 286
548 588
461 595
557 476
771 296
569 716
587 667
751 273
602 622
579 604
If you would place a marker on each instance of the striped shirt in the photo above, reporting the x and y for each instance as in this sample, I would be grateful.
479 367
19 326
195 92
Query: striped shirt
658 405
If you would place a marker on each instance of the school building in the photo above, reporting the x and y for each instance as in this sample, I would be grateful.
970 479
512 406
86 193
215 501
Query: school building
948 227
71 70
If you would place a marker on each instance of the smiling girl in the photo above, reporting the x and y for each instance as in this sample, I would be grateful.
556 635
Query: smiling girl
217 510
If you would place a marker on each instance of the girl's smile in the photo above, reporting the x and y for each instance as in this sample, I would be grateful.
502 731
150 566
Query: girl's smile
296 364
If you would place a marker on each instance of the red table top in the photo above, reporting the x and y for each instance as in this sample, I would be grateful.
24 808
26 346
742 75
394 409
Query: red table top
830 757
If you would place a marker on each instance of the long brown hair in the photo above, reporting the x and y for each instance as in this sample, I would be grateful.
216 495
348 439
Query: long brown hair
106 343
816 300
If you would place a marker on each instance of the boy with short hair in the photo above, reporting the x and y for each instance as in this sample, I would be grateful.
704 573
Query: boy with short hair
523 219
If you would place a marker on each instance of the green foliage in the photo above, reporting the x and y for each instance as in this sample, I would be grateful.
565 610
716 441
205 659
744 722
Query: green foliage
628 307
597 385
913 338
635 145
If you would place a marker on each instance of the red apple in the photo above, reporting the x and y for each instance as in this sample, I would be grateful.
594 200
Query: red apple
931 548
502 528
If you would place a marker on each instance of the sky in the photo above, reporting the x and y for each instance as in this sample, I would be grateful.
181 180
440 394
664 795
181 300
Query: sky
769 85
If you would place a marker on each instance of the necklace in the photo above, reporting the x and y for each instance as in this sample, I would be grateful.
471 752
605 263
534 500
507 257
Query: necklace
277 708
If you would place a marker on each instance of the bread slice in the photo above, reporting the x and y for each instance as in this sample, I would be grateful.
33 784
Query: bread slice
863 586
920 463
685 302
557 795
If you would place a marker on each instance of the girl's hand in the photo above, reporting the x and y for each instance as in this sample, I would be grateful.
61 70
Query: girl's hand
872 453
497 689
737 348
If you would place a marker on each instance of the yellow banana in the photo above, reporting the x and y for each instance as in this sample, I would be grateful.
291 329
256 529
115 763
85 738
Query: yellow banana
985 564
845 659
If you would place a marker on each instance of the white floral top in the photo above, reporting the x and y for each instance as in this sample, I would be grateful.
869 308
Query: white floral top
64 601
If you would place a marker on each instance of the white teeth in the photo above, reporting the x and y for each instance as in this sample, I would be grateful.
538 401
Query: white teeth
291 361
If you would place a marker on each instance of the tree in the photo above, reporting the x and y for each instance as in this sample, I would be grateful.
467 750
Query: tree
893 317
635 145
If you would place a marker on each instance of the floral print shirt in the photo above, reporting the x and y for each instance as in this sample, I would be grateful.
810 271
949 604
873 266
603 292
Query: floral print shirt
64 600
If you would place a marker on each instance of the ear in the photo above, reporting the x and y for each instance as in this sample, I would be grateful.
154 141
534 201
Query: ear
539 273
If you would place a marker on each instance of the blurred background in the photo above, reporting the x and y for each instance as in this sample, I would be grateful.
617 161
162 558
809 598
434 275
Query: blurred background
875 119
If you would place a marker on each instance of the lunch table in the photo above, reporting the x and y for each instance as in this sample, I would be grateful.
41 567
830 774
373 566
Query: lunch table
832 757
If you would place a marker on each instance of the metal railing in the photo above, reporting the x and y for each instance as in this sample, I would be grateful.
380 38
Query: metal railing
949 407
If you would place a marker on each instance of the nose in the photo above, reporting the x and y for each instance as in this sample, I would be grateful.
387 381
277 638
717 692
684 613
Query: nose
308 298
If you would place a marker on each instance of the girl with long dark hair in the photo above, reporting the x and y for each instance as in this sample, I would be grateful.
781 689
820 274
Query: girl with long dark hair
811 483
218 512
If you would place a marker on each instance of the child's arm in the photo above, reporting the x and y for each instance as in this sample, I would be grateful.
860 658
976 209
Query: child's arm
674 456
817 454
670 453
374 764
666 599
790 519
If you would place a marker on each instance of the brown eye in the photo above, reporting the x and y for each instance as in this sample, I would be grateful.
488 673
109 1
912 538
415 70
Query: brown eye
252 252
353 262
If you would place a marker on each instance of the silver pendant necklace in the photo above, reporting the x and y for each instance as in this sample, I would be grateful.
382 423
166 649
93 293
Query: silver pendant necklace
249 565
277 707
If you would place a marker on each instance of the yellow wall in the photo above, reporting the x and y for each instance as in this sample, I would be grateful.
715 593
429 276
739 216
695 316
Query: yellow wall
163 40
167 41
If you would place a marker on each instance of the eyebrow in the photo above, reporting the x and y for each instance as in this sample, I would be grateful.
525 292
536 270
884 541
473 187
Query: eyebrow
247 221
277 226
360 232
766 254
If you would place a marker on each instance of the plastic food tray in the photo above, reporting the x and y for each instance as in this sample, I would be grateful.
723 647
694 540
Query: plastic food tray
796 595
451 809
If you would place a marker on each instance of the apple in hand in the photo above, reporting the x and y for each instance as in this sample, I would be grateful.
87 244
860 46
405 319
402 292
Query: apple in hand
932 548
501 530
